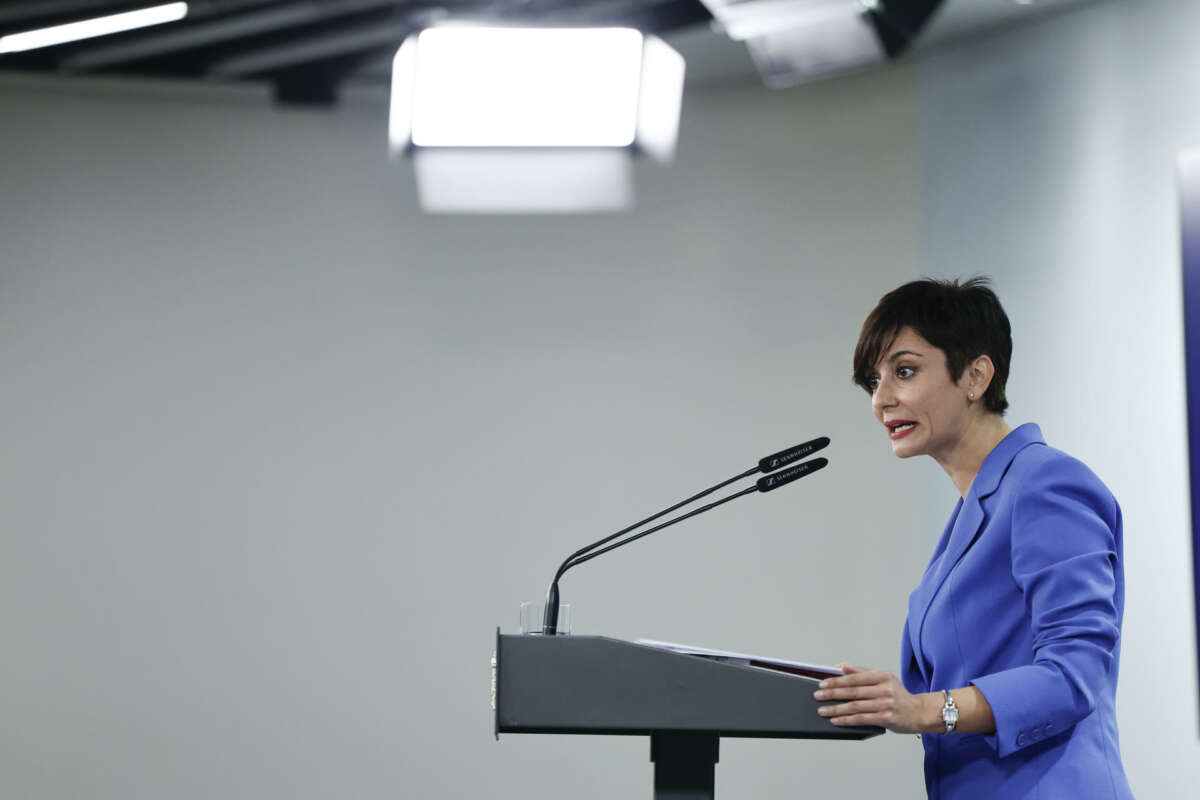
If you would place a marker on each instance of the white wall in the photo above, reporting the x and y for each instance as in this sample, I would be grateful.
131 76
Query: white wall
1048 160
280 452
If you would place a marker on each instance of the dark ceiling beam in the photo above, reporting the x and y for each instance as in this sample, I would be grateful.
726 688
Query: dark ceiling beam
898 23
216 31
317 83
669 16
649 17
347 41
35 9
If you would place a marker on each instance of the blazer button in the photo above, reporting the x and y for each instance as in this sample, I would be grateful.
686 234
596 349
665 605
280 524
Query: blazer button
1021 739
1036 733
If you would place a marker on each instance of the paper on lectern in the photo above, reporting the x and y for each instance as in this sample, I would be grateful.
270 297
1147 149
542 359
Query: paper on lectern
801 668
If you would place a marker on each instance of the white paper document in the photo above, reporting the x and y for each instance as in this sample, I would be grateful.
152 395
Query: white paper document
816 671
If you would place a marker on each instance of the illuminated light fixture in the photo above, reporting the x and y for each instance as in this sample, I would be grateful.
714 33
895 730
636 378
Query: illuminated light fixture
91 28
796 41
496 87
532 120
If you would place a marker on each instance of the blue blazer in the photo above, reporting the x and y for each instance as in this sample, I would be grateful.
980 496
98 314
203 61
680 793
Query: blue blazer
1024 599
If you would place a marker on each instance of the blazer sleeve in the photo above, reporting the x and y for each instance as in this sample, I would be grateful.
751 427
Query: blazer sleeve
1064 559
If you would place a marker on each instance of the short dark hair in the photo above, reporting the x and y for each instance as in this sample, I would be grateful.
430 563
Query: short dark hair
964 320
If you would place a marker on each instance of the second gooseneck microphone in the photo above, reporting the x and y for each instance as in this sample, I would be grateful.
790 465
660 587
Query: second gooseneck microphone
772 479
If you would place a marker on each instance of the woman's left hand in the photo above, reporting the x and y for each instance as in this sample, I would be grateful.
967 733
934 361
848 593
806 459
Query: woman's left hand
876 697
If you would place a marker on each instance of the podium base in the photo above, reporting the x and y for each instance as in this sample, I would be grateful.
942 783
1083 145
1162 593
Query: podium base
684 765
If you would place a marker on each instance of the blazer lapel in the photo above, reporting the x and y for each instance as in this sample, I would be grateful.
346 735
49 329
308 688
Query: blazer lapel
919 599
966 531
968 521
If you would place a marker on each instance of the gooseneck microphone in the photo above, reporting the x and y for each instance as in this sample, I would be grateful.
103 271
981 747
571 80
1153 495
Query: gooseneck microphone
769 464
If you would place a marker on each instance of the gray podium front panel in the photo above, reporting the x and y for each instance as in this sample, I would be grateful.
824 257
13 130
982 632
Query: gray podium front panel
597 685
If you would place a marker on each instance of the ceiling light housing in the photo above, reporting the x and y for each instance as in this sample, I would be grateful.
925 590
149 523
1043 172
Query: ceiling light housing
536 115
797 41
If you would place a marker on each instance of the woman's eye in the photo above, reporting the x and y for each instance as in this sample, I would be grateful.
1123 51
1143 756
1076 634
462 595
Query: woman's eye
900 371
872 383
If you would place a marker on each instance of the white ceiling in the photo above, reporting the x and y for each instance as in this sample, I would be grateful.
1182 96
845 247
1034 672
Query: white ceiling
713 60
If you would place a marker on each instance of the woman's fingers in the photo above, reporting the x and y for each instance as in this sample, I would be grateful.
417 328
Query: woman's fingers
860 719
854 708
863 678
869 697
853 692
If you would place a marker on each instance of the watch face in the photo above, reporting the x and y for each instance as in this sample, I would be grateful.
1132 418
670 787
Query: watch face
950 715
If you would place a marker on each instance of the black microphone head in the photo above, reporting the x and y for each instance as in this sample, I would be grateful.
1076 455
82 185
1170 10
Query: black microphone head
769 482
792 454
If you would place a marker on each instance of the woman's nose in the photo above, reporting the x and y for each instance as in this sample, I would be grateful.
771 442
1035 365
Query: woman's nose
882 398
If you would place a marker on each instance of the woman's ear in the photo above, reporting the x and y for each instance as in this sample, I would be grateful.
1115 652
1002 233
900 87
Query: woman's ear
981 372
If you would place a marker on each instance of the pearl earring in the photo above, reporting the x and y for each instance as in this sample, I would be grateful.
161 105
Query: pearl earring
971 396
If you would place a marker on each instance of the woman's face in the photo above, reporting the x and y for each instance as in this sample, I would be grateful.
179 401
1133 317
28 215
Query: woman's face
923 412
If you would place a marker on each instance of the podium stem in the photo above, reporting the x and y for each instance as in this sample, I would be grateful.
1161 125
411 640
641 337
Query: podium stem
684 765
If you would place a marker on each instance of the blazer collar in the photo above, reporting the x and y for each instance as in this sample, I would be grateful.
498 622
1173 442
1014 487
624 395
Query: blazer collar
987 480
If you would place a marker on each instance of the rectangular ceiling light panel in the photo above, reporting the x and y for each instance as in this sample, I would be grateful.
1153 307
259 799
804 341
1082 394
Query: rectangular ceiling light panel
91 28
518 87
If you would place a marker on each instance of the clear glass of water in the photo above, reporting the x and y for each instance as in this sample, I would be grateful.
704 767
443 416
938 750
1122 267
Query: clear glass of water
534 614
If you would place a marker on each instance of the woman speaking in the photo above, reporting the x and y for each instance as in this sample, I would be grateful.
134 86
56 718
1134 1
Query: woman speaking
1011 646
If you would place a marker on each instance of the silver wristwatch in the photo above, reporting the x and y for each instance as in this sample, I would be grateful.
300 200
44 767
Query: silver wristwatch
949 712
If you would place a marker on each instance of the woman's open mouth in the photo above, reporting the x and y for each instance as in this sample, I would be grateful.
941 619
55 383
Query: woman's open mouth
900 429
